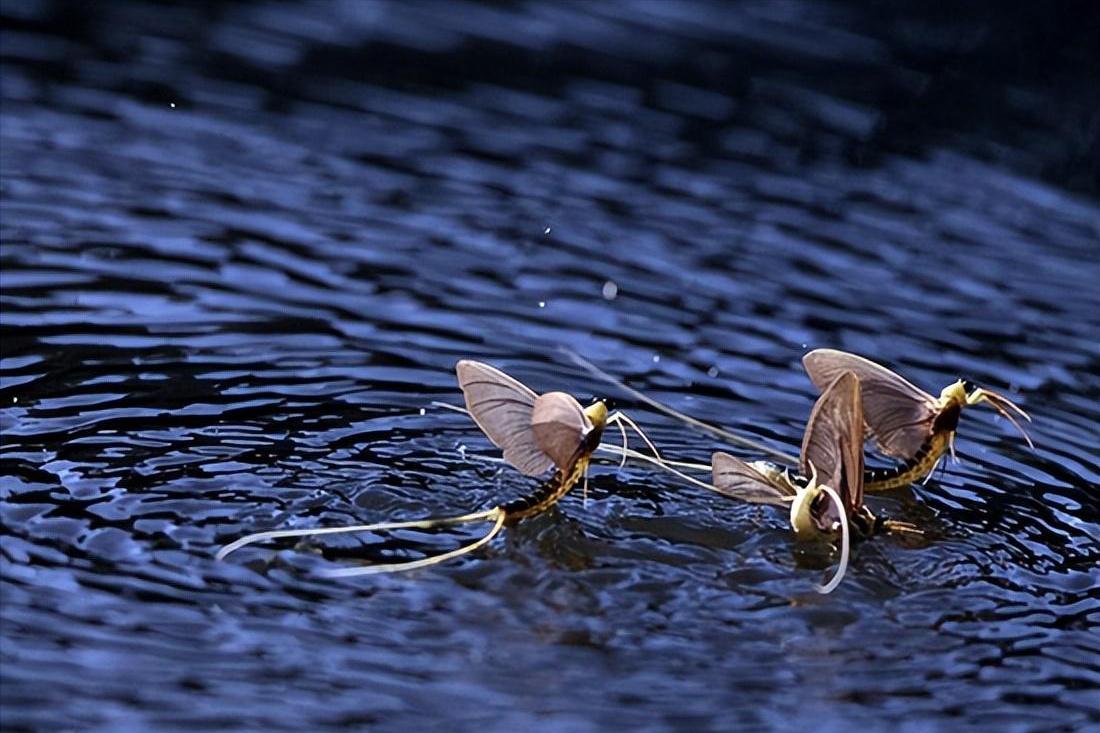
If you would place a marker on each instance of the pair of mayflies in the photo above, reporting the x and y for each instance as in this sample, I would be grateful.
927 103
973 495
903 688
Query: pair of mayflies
537 433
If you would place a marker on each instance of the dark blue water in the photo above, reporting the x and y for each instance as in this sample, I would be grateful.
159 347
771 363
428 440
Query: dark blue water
244 245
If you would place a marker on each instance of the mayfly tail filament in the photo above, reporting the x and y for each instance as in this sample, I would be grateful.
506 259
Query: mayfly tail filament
682 417
495 515
666 466
844 543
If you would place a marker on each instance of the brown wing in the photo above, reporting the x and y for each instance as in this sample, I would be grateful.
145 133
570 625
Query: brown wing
733 477
833 442
502 408
559 424
898 414
851 439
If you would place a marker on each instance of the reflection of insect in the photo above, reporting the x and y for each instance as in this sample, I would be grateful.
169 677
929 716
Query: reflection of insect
535 433
828 496
906 422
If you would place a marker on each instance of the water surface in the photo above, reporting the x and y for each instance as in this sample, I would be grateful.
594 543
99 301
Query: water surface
244 246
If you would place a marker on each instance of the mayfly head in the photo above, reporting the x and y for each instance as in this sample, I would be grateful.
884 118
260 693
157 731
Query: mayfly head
802 515
954 394
807 527
609 403
964 393
597 414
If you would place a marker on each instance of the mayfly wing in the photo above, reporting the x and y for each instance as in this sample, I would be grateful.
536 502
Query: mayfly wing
560 426
898 414
733 477
852 442
833 443
502 408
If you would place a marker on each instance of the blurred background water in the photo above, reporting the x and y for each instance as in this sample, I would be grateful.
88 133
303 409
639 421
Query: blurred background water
243 245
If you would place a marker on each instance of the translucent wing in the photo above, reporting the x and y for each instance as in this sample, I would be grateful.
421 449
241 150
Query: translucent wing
502 408
833 442
560 425
898 414
738 479
851 439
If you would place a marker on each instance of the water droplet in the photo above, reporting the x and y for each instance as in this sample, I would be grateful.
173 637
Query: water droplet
14 400
423 411
656 358
712 372
172 105
542 304
610 290
546 230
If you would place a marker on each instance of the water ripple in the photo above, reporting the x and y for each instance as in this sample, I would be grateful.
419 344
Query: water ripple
229 315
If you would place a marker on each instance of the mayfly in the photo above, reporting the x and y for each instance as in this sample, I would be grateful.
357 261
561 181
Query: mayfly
827 498
536 433
906 422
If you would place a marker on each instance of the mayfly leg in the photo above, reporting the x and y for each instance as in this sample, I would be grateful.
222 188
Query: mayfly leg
1000 403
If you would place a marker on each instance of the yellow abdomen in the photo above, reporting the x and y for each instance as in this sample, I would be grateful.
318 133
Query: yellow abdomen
913 470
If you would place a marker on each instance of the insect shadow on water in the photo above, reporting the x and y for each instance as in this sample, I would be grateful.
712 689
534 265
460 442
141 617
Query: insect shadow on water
536 433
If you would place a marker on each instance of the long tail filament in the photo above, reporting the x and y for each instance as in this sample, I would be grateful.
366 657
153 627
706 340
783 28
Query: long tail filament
664 465
495 515
844 544
688 419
